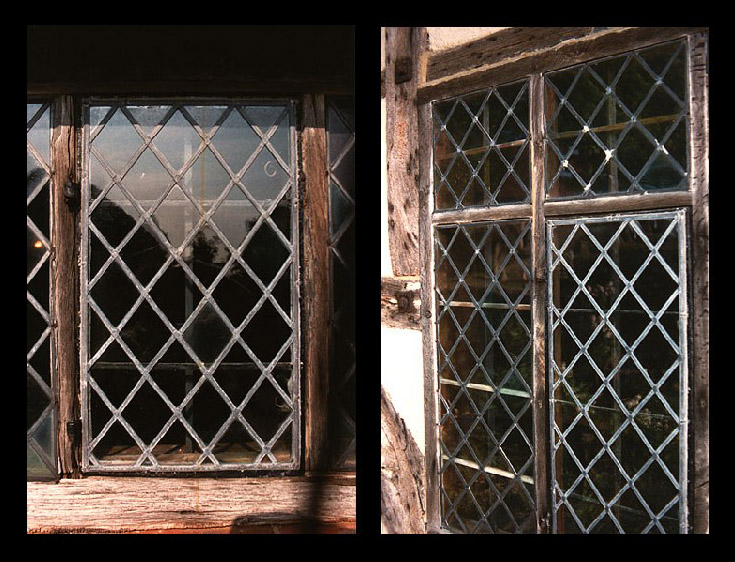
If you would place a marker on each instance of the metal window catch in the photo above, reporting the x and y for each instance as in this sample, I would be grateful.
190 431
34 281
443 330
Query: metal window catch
74 430
71 192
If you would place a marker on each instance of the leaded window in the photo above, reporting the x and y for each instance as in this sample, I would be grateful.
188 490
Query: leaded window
340 122
41 413
189 287
562 214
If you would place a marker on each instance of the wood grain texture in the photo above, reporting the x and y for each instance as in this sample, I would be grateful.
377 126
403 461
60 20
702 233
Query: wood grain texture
316 280
66 285
502 44
401 474
596 44
402 43
400 299
428 324
699 154
170 505
539 372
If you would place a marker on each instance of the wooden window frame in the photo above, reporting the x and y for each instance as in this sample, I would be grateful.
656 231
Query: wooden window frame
312 499
518 53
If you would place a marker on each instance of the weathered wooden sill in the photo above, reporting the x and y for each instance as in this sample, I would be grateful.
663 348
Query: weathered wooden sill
101 504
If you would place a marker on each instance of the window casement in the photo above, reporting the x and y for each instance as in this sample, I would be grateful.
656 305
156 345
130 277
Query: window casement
184 268
566 272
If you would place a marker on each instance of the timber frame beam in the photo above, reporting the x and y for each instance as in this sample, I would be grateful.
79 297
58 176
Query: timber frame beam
517 53
323 504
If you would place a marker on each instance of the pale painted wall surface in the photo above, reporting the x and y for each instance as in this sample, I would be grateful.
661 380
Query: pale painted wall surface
402 373
441 38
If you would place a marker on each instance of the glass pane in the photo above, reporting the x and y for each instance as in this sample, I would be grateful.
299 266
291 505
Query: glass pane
41 414
618 125
484 347
343 378
618 374
481 153
190 328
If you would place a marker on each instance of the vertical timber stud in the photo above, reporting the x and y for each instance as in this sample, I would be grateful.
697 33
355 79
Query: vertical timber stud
428 302
699 154
66 283
538 193
402 48
428 323
316 279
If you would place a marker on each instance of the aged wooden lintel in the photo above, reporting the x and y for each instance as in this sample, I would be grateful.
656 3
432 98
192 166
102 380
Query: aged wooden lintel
185 505
502 44
316 281
65 284
402 45
597 43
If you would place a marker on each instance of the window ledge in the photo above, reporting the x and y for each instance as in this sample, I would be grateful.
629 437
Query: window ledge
101 504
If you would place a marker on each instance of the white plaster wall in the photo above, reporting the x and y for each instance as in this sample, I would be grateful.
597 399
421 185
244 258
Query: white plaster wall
441 38
402 376
401 363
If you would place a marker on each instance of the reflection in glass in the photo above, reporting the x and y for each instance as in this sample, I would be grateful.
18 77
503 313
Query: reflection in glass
617 350
342 379
481 148
618 125
190 357
484 342
40 412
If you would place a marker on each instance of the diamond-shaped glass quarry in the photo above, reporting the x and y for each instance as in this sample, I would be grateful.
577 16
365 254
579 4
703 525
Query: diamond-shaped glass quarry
41 415
618 125
617 373
481 148
342 380
189 362
484 341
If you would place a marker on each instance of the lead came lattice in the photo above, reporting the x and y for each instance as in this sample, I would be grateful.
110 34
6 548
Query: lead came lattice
192 350
484 343
617 349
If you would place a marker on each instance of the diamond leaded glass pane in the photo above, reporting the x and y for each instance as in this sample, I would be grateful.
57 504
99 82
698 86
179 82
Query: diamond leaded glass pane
618 385
483 284
342 374
618 125
190 338
41 414
481 148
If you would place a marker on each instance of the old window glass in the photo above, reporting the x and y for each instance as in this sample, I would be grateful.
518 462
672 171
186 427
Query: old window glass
481 148
618 125
190 322
340 122
567 321
617 348
484 340
41 414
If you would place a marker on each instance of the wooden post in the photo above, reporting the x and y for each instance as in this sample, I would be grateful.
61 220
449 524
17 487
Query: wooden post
538 195
699 158
66 283
401 70
316 281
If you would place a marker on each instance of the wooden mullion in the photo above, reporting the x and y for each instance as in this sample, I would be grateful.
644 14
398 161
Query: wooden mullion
538 307
316 281
428 322
66 284
699 240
